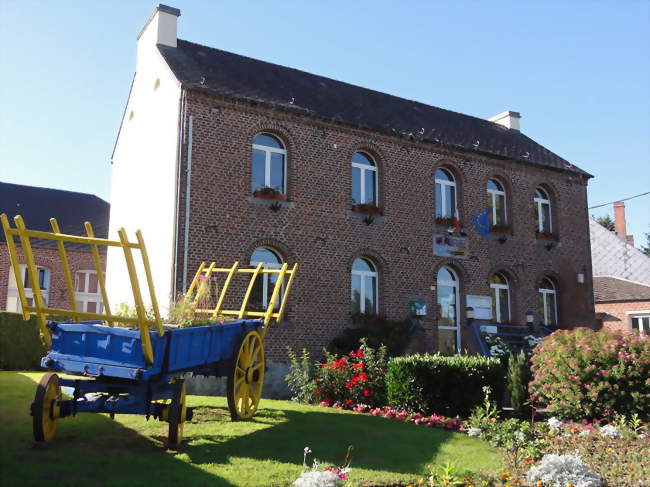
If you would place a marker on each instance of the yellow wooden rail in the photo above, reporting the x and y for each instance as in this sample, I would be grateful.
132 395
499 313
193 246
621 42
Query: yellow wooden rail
205 274
40 307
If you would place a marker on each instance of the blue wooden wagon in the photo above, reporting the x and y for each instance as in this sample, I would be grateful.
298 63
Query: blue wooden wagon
118 370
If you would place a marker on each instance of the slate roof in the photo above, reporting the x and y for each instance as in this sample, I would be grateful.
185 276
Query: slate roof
38 205
608 288
611 255
223 73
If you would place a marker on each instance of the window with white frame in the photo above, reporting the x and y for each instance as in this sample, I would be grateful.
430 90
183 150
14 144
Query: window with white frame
497 212
364 287
265 283
448 300
547 302
445 194
13 300
543 221
640 322
269 163
500 290
87 292
364 180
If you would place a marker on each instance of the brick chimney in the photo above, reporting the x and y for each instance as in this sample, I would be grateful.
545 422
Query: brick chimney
619 222
508 119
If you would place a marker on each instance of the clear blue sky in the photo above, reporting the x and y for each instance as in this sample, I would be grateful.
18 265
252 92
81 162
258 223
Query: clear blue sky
578 71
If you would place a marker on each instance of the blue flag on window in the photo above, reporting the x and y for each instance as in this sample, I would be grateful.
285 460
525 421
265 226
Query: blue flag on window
482 223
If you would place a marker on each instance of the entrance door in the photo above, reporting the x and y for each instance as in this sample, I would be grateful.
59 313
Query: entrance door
448 311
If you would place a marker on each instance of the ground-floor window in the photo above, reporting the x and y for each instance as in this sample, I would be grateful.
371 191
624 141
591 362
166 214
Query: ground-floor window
13 300
364 287
447 291
264 284
641 322
87 292
547 302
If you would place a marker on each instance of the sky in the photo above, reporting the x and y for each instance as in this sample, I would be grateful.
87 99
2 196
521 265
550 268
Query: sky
578 72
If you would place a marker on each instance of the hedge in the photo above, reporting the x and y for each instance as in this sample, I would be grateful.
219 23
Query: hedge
444 385
20 345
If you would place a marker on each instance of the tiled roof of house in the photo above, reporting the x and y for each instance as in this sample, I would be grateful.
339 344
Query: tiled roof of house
613 256
38 205
226 74
608 288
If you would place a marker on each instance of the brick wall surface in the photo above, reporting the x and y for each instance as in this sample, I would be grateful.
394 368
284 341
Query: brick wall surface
317 229
614 315
48 257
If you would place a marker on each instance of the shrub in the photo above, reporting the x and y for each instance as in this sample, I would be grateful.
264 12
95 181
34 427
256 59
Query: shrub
377 331
20 345
581 373
445 385
562 470
300 378
518 377
358 377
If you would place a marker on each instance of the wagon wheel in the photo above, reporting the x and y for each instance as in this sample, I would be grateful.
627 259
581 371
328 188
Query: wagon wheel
45 409
177 414
246 377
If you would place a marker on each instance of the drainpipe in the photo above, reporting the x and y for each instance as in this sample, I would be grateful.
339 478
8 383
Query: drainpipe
188 189
179 160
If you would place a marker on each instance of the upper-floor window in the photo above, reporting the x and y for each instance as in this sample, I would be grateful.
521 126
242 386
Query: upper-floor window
364 179
500 290
265 283
497 212
364 287
269 164
445 194
547 304
543 220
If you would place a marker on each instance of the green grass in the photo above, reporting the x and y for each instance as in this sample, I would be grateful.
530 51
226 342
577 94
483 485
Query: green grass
92 449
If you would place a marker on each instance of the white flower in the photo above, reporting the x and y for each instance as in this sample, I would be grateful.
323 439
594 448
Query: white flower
610 431
520 435
474 431
584 433
315 478
554 423
307 450
560 470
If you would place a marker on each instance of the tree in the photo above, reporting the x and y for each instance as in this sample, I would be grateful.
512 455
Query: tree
646 249
605 221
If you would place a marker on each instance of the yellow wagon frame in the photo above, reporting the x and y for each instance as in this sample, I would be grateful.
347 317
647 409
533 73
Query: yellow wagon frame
204 272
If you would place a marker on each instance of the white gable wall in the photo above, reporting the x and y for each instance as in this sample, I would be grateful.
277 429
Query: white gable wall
143 193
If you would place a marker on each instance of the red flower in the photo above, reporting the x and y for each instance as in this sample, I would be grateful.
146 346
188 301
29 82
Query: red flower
357 367
349 385
349 402
366 392
357 354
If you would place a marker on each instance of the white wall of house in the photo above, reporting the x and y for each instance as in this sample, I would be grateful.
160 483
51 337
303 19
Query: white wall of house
144 176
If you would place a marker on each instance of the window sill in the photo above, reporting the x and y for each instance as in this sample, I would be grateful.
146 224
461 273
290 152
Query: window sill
366 218
273 204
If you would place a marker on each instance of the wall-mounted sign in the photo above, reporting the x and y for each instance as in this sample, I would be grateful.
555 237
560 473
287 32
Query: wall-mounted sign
418 308
448 246
482 307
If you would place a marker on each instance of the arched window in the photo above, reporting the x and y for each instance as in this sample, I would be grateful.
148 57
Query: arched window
448 310
497 212
364 179
500 290
543 220
364 287
547 302
269 163
264 284
445 194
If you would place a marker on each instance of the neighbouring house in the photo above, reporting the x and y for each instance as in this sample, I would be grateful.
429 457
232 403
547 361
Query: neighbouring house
621 277
71 209
387 204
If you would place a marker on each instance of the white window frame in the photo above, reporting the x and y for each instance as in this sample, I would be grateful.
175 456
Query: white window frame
267 161
13 299
456 286
545 296
266 277
362 178
362 294
497 298
85 296
540 202
644 313
444 187
494 194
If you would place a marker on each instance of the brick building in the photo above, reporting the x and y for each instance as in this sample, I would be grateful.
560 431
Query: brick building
37 206
383 201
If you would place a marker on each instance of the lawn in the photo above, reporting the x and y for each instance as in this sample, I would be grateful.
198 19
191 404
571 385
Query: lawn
92 449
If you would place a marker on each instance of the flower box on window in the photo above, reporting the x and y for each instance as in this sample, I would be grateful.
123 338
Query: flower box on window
501 229
548 236
367 208
269 193
445 221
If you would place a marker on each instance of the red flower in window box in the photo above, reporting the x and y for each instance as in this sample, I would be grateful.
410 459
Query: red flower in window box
269 193
549 236
368 209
